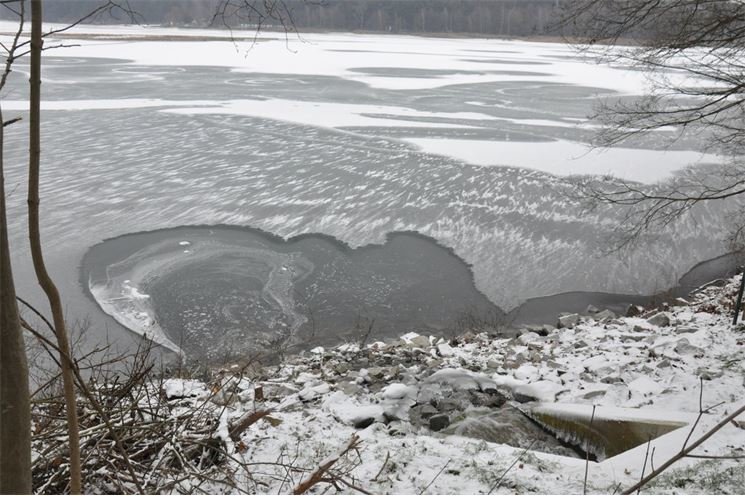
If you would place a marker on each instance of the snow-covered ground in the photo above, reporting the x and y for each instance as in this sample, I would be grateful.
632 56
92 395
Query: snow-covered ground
395 395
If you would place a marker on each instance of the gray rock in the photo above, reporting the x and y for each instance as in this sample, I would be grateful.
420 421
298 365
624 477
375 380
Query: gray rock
593 394
663 364
363 423
514 361
439 422
660 319
277 392
493 364
491 399
419 342
681 302
398 428
591 309
522 398
349 388
423 411
376 372
605 315
708 375
612 379
685 329
341 368
528 337
449 405
568 321
538 329
685 348
634 311
434 363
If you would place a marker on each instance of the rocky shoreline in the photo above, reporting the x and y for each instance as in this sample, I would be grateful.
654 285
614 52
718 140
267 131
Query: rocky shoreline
462 400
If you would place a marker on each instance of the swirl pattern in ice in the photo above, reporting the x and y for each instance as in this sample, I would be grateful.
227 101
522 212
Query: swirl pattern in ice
221 292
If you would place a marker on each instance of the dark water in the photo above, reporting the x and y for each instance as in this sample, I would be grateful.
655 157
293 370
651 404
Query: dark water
221 291
547 309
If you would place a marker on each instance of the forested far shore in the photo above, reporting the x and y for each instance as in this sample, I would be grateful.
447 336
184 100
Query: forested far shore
487 17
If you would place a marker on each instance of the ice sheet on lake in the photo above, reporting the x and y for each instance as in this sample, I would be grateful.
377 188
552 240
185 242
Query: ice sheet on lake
471 61
565 158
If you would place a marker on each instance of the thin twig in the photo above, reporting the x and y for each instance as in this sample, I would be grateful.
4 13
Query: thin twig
501 477
435 477
587 453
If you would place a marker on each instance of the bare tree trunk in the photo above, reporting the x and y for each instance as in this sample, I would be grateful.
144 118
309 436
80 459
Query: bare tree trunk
15 407
45 281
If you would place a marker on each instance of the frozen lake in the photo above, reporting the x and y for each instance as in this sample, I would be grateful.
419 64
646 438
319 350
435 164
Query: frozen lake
467 141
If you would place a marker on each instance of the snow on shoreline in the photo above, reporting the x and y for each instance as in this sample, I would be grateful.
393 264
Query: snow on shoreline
626 367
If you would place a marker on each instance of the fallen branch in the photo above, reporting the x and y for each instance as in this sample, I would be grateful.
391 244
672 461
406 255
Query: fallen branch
685 451
245 422
501 477
318 475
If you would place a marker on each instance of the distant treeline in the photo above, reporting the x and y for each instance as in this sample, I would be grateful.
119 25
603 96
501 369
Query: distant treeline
488 17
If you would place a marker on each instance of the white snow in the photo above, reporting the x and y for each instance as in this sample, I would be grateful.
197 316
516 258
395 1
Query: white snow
540 390
182 388
566 158
646 387
338 54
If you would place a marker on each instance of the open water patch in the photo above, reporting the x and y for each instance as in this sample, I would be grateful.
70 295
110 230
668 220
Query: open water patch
216 292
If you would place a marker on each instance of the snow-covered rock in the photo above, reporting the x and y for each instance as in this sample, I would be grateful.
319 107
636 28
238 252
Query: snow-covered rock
660 319
537 391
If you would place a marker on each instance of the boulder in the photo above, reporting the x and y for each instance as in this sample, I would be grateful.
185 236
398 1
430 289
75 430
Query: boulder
604 316
684 347
634 311
541 330
445 350
528 337
568 321
419 342
341 368
660 319
493 364
685 329
591 309
491 399
376 372
364 422
708 374
537 391
439 422
593 394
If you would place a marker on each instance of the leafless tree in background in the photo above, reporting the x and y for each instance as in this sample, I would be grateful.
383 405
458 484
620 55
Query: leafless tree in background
694 54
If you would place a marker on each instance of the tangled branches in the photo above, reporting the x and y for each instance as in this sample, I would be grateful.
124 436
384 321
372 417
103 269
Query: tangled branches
141 432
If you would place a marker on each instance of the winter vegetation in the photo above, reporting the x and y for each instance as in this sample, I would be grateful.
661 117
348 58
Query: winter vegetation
599 401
